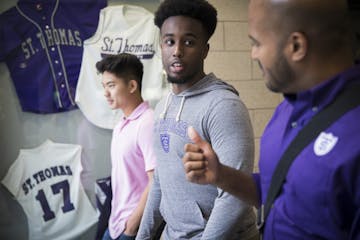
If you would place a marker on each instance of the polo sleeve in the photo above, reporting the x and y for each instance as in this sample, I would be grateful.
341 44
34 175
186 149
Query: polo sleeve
145 140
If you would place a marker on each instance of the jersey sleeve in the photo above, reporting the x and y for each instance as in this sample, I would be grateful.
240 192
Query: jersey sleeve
145 140
157 40
13 178
8 39
92 13
87 13
2 42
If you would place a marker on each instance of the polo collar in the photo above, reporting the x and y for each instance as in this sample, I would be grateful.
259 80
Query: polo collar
139 110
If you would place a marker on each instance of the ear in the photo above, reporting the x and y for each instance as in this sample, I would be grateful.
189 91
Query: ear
206 51
297 46
133 86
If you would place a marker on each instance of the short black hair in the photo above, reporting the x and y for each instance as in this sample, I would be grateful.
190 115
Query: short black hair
124 65
200 10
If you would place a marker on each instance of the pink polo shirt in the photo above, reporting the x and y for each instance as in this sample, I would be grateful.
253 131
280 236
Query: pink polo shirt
131 156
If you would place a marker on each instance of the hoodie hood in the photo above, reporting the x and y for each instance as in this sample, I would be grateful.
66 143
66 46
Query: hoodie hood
209 83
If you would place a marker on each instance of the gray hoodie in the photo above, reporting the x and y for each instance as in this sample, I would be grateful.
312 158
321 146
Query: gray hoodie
193 211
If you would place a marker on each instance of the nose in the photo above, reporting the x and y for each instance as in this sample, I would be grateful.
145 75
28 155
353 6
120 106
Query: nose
254 53
106 93
178 50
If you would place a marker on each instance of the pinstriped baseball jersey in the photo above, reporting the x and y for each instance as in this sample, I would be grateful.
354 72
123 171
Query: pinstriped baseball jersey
42 43
46 182
122 28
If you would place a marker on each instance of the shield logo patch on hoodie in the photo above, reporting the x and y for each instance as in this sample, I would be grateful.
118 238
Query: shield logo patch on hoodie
165 142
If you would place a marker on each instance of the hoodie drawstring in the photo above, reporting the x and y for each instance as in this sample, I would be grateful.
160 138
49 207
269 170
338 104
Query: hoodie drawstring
167 103
180 109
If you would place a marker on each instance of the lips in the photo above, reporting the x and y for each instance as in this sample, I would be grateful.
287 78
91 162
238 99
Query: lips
109 101
177 67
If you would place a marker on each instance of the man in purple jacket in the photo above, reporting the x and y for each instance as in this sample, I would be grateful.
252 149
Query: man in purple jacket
304 49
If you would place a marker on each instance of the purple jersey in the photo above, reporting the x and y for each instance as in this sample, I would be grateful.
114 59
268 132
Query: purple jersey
42 43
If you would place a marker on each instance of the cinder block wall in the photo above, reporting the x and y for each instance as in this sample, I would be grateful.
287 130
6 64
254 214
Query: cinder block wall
229 58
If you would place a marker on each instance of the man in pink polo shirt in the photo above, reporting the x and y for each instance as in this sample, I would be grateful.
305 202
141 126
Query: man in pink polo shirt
132 156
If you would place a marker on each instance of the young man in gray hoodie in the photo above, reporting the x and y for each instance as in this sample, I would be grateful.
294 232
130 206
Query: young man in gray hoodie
214 109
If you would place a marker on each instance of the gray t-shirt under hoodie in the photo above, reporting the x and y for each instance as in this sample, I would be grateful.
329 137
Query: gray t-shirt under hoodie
193 211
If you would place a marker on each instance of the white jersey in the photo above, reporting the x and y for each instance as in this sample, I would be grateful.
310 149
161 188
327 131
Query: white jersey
46 182
122 28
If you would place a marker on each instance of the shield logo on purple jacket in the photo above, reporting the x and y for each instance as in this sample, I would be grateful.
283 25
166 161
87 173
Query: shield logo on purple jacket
165 142
324 143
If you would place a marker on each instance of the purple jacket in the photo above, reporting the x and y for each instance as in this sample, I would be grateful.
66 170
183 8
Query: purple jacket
321 196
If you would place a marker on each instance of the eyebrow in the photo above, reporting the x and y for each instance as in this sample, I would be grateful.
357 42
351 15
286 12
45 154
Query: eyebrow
253 39
107 82
187 34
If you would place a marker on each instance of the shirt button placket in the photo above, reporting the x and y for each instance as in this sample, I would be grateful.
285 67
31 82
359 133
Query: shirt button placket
58 70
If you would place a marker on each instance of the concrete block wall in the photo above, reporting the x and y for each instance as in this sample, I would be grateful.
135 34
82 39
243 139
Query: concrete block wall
230 59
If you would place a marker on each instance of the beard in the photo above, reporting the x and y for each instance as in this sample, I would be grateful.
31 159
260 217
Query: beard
176 80
182 80
281 76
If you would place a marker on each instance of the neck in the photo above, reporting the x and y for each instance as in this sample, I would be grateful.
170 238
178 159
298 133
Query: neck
179 88
315 74
132 105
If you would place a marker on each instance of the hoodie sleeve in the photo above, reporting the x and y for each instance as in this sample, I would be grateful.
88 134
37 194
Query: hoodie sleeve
151 219
229 130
